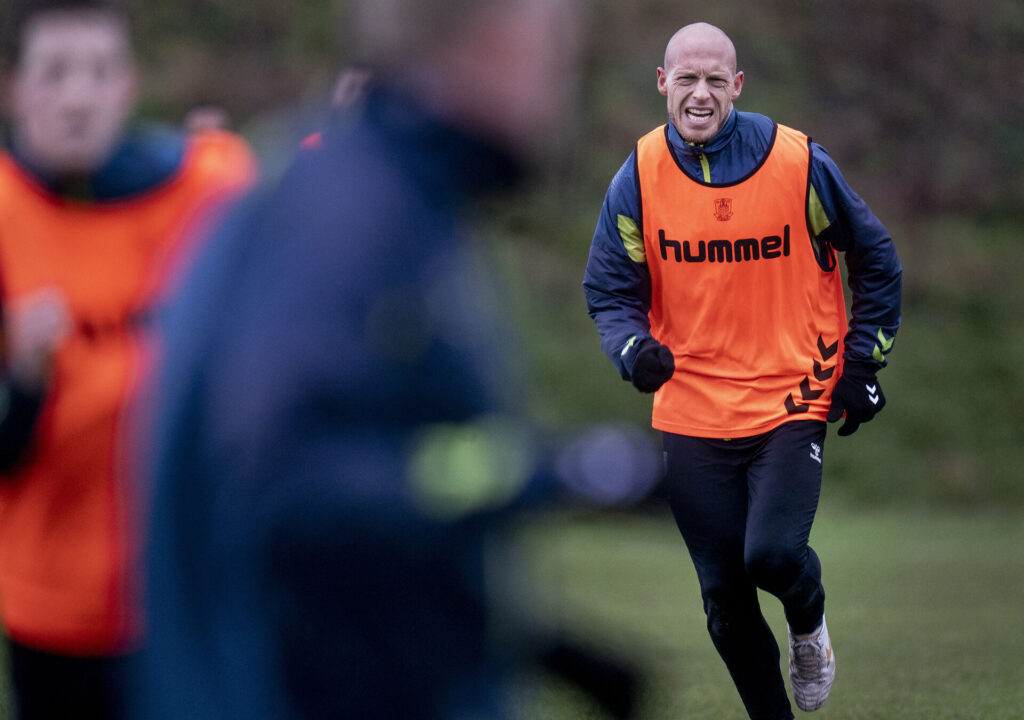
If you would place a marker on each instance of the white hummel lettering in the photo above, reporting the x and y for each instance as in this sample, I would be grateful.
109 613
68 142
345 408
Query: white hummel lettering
816 452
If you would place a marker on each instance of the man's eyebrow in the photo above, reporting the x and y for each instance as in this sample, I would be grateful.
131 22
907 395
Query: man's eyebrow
693 72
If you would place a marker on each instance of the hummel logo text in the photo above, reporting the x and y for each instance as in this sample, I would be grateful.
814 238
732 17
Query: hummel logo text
725 251
816 452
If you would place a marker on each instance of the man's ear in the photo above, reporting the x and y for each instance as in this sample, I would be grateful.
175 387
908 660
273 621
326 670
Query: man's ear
662 81
737 84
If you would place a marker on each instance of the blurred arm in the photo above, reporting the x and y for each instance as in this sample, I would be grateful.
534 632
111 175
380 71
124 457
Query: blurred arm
19 408
34 326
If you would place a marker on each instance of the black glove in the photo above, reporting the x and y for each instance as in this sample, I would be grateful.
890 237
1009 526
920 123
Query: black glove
653 366
857 395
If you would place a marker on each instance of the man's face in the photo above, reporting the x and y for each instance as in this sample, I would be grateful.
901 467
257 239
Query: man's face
700 81
72 90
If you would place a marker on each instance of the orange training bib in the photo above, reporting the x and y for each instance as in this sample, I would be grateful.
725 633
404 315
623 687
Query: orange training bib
755 324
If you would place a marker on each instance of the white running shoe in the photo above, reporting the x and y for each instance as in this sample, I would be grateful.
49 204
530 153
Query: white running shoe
812 668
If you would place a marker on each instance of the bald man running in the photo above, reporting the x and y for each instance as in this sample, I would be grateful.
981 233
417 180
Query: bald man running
714 284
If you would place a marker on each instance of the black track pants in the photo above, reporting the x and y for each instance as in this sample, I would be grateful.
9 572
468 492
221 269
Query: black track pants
745 508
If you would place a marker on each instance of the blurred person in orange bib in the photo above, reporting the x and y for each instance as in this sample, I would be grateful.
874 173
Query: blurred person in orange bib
92 212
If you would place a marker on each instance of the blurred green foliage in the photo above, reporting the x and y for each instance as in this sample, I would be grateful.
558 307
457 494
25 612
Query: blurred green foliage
248 57
920 103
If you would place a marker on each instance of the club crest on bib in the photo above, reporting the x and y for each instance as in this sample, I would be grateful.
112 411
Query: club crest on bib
723 209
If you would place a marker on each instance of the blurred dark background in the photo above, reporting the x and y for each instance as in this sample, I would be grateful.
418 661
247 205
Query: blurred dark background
921 103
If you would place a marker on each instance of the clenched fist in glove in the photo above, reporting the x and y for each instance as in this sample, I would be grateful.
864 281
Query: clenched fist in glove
857 395
653 367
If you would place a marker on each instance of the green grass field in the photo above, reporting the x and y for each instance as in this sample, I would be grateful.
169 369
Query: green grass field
925 609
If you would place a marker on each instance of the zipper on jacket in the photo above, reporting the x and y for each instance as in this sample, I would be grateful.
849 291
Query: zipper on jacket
705 167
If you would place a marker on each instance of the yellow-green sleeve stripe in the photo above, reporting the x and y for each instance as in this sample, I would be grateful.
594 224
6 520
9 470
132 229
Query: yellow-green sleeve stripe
632 239
816 213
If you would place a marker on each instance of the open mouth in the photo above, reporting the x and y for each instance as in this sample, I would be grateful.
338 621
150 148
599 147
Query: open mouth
699 115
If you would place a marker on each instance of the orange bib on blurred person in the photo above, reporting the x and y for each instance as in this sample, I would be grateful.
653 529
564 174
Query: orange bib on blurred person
755 324
68 515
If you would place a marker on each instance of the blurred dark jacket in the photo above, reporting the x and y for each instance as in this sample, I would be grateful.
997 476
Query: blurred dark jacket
330 448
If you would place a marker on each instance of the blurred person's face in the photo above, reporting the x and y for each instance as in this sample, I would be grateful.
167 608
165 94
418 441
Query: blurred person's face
72 90
537 64
700 81
515 74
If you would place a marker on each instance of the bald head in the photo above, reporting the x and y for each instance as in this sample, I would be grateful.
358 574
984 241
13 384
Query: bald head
701 36
700 80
